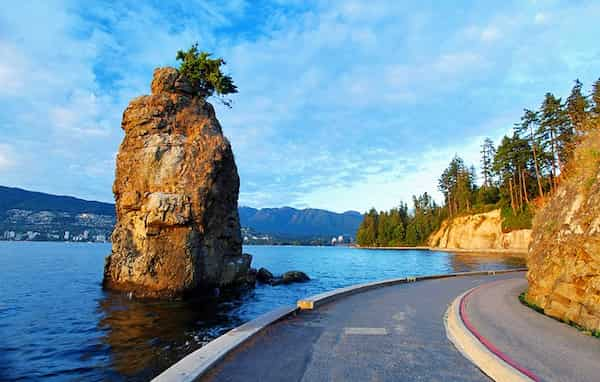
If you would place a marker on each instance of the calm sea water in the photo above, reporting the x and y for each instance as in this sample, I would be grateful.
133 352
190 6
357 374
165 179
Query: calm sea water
56 322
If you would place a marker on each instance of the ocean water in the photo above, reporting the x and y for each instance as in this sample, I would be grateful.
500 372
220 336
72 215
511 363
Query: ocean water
56 322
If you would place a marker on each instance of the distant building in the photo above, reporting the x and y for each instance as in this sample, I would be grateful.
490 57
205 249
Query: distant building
67 235
100 238
32 235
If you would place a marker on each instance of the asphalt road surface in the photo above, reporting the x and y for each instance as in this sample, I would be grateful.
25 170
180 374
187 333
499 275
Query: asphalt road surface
551 349
393 333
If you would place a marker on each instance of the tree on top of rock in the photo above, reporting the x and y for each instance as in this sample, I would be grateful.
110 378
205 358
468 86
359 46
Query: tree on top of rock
205 74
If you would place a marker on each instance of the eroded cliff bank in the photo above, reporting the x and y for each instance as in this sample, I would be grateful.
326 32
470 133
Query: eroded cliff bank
479 232
564 260
176 190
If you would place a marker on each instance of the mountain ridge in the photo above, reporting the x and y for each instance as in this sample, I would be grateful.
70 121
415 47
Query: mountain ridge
285 221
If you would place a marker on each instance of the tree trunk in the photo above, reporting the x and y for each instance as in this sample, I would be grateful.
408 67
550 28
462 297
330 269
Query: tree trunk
524 187
519 191
554 159
537 168
512 199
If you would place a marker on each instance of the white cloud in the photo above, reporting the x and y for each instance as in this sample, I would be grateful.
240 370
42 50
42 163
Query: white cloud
490 33
7 157
339 102
541 18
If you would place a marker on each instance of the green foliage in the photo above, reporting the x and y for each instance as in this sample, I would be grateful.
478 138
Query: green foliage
555 131
523 167
486 196
488 152
523 299
596 98
367 231
520 220
397 228
205 73
577 106
457 184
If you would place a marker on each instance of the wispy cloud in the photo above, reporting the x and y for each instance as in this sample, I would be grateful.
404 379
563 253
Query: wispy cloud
342 105
7 157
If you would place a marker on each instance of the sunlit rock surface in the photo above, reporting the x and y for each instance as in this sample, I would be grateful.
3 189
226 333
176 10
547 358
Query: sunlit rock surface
479 232
176 190
564 260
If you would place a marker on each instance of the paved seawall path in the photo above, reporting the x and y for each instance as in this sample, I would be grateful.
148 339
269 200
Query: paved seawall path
550 350
386 334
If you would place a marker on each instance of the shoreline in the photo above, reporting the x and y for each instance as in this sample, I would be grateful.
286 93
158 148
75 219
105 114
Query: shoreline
520 252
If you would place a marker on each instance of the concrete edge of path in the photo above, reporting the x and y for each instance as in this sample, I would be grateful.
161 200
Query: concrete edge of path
198 363
476 348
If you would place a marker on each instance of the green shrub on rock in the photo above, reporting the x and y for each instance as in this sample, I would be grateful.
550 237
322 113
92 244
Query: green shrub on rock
204 73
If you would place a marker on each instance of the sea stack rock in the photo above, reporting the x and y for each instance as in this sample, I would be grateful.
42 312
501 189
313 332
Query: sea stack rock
176 190
564 257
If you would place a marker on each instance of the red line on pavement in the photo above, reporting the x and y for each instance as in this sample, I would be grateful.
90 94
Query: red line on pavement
485 342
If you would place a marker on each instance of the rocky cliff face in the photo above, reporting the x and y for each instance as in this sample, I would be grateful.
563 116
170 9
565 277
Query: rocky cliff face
479 232
564 260
176 191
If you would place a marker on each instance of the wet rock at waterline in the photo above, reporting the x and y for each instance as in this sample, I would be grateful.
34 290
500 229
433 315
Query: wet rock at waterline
176 191
264 276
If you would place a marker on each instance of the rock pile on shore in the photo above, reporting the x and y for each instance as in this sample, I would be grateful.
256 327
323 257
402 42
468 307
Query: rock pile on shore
264 276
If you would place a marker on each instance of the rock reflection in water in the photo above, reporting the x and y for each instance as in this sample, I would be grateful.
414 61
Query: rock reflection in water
147 336
477 261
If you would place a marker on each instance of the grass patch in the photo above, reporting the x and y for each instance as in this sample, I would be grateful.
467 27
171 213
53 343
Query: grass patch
535 307
539 309
512 222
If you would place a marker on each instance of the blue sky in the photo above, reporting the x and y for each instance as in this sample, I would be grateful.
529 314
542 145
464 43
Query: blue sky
342 104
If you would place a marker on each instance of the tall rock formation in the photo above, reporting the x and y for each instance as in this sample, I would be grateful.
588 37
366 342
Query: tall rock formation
564 259
176 191
479 232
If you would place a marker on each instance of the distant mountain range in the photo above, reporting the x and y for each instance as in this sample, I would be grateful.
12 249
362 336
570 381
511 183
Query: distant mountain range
22 210
287 221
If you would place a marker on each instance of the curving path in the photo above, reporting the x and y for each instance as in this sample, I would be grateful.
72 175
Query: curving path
387 334
551 350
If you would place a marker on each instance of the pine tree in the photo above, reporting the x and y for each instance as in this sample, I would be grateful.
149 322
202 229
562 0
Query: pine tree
488 151
205 74
367 231
555 133
596 98
527 129
512 164
577 107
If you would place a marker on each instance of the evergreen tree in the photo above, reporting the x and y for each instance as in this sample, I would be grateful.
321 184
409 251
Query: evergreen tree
367 231
488 151
527 128
577 107
205 74
457 185
555 133
512 163
596 98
